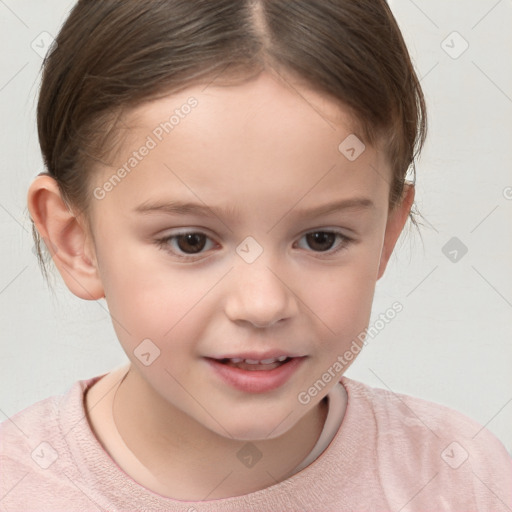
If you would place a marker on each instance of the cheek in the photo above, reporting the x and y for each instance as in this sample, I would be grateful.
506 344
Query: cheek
149 300
341 297
344 301
134 291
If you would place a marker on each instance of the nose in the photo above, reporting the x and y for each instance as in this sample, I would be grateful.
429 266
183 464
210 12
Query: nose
258 295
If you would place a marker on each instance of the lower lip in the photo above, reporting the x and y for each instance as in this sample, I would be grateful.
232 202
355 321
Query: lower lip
256 381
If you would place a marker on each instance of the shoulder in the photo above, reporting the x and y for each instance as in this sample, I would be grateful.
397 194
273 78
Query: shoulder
28 449
19 433
418 442
35 457
410 417
397 408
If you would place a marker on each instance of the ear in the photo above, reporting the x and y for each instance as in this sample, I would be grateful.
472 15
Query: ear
66 238
396 221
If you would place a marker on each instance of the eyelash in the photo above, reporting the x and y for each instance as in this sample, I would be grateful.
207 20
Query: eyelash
164 243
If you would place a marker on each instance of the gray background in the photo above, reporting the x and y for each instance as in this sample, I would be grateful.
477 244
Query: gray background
451 344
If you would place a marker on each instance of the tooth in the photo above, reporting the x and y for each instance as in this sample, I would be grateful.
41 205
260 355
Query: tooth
251 361
236 360
268 361
282 358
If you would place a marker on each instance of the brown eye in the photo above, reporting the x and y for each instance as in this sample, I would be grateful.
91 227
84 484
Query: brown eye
321 240
191 243
324 243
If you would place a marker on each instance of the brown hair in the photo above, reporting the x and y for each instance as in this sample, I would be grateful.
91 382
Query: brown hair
112 55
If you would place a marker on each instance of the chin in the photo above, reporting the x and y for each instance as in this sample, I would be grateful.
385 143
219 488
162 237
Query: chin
247 430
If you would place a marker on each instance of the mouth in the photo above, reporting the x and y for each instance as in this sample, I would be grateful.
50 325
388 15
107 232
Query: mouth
255 364
255 375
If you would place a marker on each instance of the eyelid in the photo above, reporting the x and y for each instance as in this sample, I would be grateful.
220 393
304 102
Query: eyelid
343 244
164 243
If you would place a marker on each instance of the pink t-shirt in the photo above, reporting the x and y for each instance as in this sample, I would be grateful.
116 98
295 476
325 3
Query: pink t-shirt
390 452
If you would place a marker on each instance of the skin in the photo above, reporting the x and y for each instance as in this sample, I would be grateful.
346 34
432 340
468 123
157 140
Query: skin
265 152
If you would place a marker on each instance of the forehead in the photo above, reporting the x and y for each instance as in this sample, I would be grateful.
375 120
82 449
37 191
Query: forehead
262 138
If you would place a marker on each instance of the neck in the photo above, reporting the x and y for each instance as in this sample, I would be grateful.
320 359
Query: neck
190 462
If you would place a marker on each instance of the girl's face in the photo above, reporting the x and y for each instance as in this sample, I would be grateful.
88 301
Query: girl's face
241 228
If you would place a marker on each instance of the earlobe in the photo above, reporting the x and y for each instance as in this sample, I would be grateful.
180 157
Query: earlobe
66 238
395 224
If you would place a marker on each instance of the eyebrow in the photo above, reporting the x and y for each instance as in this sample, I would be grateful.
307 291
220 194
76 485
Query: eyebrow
202 210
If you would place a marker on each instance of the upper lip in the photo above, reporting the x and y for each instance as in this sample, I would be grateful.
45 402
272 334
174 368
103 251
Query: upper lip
257 356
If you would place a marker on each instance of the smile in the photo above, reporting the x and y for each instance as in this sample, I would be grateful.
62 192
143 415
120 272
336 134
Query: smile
255 376
254 364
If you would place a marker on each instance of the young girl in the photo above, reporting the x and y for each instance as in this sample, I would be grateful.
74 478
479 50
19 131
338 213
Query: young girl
230 176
